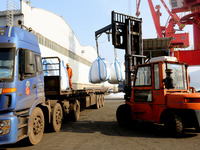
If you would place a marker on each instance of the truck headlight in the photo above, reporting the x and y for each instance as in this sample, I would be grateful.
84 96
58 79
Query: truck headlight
4 127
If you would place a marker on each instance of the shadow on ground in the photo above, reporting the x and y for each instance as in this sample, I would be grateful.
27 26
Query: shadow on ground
112 129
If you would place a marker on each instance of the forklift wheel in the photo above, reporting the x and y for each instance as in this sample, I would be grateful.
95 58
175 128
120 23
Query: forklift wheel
123 114
197 129
173 124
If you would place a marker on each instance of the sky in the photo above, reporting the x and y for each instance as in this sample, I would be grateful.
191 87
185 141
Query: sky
87 16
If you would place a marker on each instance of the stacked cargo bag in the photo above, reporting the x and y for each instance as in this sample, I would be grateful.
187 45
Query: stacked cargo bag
99 71
51 68
64 77
117 70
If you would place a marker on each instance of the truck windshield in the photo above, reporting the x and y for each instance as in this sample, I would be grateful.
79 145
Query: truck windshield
7 56
178 75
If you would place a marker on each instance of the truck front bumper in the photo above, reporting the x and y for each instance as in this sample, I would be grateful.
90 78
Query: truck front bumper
11 134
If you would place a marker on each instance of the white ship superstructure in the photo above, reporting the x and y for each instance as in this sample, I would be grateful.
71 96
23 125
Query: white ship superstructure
56 38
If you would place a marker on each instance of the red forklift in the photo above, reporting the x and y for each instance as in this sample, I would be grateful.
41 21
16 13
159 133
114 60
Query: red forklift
157 89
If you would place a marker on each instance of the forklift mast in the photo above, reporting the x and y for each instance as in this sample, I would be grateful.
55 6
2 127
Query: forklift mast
126 34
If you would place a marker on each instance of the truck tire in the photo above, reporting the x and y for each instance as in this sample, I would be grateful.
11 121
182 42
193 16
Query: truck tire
57 117
75 111
36 126
173 124
123 115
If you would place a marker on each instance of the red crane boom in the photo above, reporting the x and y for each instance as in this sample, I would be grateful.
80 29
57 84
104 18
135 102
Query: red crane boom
180 40
174 16
156 20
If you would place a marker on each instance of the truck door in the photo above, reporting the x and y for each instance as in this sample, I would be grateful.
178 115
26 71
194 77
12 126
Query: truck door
40 78
27 79
142 94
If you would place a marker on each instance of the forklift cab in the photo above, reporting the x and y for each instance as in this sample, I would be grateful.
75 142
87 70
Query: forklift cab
151 84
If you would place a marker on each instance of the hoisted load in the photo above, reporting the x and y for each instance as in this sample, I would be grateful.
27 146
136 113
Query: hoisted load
99 71
51 68
117 70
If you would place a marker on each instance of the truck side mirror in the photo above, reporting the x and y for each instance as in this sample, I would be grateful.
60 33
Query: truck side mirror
29 62
168 81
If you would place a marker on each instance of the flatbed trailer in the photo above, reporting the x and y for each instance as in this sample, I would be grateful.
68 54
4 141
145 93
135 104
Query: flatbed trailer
71 101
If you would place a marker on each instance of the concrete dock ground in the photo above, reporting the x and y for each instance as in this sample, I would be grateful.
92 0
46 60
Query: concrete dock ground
98 130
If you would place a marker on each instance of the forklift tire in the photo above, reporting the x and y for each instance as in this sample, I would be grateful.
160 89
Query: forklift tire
173 124
57 117
197 129
36 126
123 115
75 112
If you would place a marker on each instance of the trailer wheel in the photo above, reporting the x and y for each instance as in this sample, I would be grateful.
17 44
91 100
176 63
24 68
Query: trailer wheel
123 115
75 112
173 124
98 102
36 126
102 100
57 117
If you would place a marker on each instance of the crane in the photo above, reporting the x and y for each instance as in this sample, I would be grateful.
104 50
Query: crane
192 18
180 40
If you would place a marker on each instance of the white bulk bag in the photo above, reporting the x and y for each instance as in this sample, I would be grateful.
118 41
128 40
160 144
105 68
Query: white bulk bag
99 71
117 70
64 77
51 68
48 67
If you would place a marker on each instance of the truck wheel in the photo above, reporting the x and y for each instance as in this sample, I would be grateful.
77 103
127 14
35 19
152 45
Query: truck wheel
173 124
57 117
123 115
36 126
75 112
